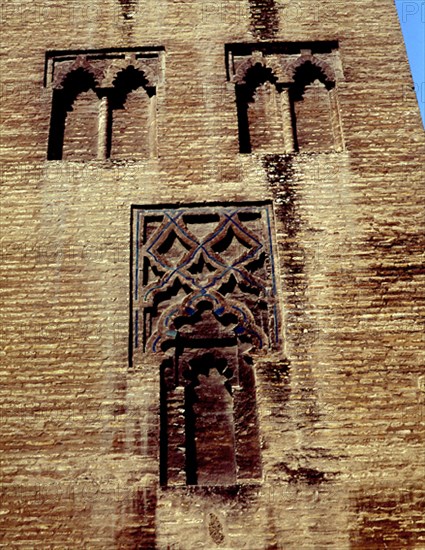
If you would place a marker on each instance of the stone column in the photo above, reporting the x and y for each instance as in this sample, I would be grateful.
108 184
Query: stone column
103 129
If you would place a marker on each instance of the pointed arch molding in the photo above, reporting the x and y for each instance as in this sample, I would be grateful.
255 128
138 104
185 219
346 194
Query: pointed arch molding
110 77
286 96
283 59
104 64
202 272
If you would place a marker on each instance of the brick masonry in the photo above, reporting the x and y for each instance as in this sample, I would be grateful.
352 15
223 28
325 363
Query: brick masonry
340 404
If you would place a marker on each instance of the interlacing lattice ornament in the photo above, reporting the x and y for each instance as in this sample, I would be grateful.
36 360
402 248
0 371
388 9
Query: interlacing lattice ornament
187 260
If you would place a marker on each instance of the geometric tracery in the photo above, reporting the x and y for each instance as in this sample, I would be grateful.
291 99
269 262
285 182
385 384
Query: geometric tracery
203 297
184 256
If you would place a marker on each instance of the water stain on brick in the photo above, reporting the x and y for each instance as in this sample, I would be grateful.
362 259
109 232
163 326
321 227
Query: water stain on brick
306 474
280 371
128 8
243 495
264 18
381 524
137 438
276 377
310 476
139 530
281 179
280 176
119 409
215 529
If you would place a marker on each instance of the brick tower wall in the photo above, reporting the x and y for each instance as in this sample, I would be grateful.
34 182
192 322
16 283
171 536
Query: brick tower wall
329 436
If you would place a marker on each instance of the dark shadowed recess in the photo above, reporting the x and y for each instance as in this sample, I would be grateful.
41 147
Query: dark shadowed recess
245 94
76 82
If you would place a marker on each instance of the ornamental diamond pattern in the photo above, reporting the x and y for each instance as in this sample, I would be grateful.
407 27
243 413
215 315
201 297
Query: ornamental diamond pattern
184 256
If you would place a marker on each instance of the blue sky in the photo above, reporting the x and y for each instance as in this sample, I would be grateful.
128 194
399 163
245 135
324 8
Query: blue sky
412 19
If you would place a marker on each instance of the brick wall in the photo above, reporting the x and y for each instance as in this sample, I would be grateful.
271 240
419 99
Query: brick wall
81 128
340 403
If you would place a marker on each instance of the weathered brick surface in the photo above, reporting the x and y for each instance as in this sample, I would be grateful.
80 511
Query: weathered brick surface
340 406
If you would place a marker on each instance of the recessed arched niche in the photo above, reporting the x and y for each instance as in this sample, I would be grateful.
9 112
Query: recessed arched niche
286 96
103 104
204 305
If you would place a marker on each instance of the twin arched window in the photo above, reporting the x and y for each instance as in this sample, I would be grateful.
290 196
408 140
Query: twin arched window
286 101
100 110
103 105
89 121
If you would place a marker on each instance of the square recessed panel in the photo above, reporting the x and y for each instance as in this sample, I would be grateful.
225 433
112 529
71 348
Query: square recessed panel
221 255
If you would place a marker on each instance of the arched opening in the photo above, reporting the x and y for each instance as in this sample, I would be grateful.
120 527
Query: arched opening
209 428
74 120
132 112
91 121
210 434
259 111
204 302
312 109
81 128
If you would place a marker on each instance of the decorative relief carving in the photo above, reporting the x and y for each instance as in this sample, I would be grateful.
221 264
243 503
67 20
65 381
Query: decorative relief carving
203 299
283 58
104 65
188 256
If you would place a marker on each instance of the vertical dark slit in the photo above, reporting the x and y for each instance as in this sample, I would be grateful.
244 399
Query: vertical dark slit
131 329
163 429
146 323
57 126
109 130
191 463
293 119
243 123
